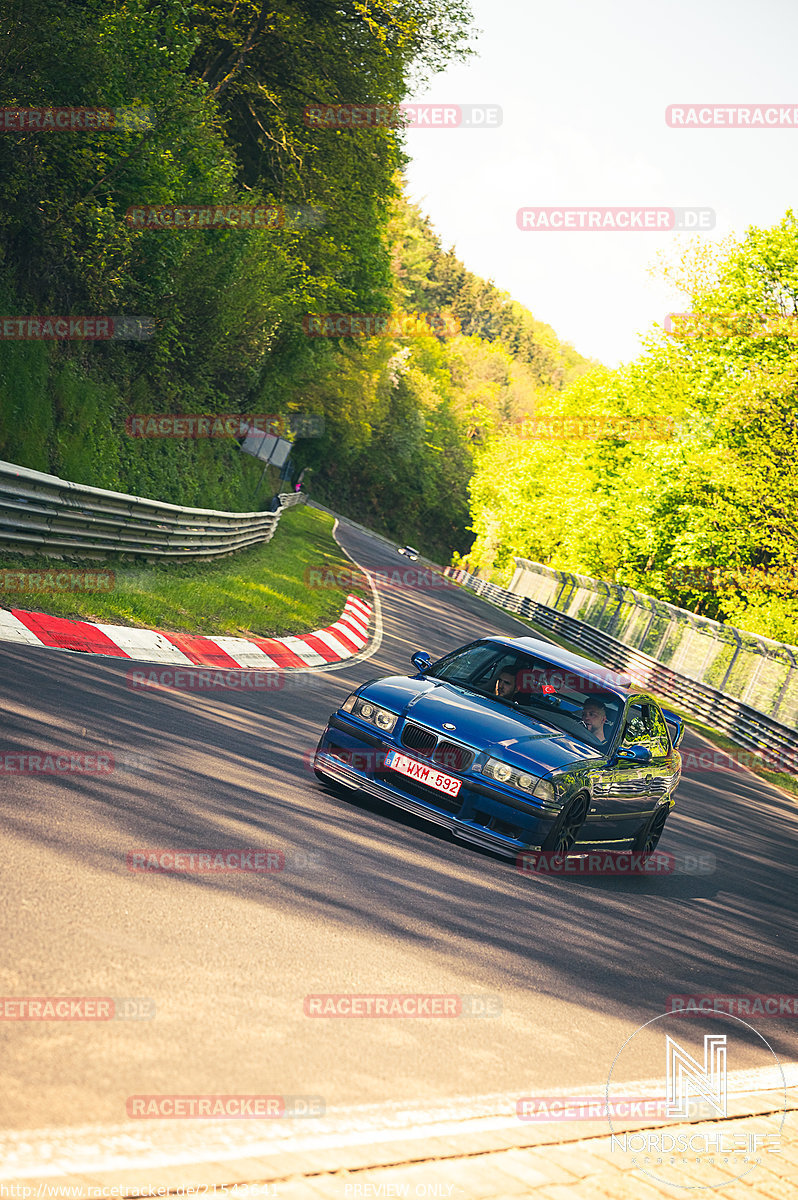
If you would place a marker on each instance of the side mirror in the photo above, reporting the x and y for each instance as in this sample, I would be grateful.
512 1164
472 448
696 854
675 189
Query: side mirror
638 755
421 660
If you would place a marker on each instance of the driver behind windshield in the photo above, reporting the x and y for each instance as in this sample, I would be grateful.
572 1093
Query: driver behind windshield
504 687
594 718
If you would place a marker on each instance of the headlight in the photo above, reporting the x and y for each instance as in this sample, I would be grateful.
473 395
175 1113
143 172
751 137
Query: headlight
502 772
381 717
498 770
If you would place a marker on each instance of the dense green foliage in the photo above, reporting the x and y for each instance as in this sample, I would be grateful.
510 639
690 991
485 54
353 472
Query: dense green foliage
706 517
403 419
227 84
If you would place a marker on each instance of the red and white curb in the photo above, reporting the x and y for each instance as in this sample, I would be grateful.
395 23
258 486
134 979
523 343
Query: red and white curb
337 642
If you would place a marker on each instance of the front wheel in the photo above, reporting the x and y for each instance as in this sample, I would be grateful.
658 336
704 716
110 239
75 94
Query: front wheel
567 827
648 838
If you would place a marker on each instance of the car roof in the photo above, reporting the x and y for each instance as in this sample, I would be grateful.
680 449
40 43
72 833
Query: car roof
611 681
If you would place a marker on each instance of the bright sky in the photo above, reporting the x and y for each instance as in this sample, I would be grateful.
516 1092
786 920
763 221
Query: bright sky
583 85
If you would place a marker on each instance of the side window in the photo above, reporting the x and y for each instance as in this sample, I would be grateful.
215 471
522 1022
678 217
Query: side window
660 742
636 731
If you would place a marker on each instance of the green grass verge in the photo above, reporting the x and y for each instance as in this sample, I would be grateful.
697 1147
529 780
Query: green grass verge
262 591
780 779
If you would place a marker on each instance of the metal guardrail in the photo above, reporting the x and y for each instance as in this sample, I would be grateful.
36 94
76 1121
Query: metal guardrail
758 671
745 725
44 514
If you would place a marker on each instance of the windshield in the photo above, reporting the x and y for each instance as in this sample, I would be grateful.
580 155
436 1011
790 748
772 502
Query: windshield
572 702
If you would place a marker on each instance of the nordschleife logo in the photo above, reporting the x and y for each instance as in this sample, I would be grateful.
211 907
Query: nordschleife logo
718 1099
686 1078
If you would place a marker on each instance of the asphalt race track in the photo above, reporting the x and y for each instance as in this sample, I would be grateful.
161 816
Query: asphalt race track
370 901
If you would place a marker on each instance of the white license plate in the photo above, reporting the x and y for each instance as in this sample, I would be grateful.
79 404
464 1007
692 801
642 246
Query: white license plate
422 773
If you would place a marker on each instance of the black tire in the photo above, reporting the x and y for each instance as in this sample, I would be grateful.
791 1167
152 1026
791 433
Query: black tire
568 825
648 838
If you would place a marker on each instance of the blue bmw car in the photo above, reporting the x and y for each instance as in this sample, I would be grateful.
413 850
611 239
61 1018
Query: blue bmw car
513 744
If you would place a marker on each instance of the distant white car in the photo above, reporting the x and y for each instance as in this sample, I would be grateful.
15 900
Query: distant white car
409 552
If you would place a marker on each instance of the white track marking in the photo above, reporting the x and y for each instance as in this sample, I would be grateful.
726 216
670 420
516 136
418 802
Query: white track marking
12 630
141 1145
245 653
303 651
329 639
144 645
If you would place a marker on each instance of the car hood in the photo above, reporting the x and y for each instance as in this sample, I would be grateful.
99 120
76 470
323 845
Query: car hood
479 723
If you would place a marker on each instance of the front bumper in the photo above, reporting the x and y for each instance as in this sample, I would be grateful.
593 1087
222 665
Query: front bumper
481 819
